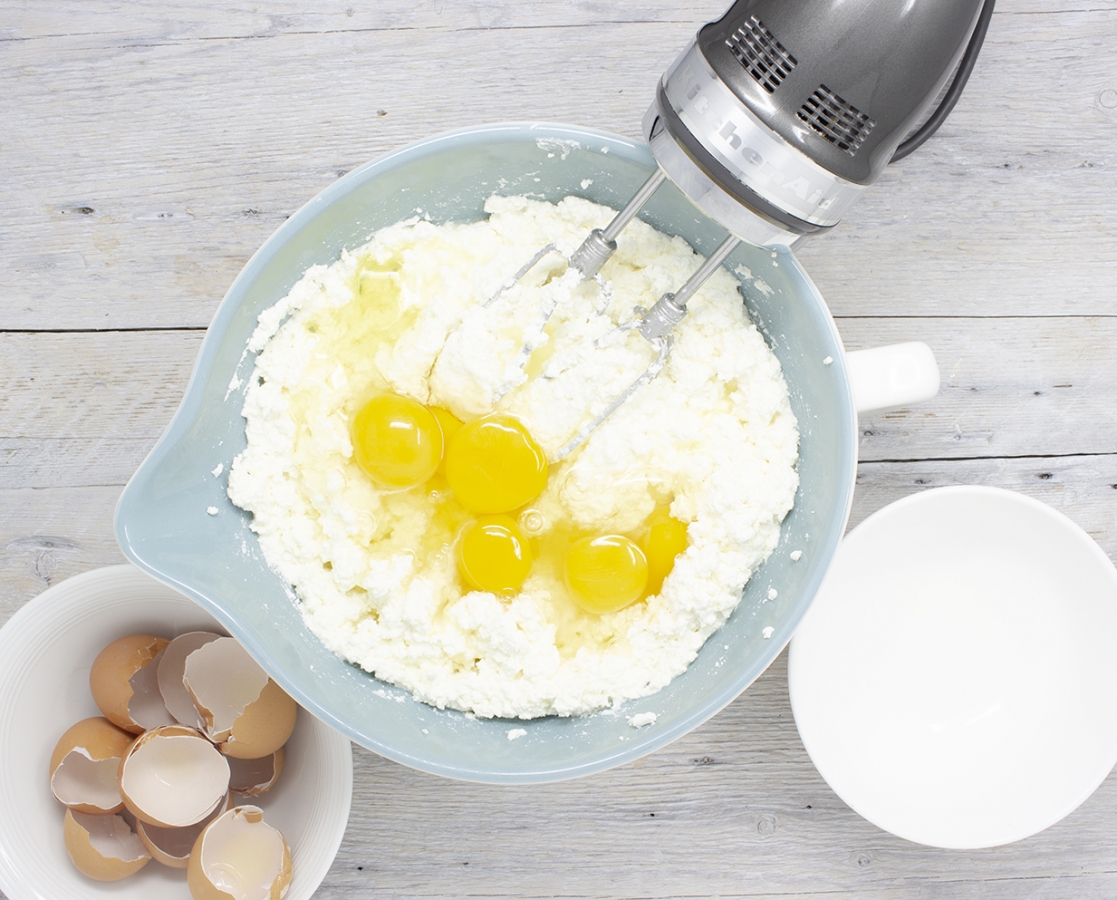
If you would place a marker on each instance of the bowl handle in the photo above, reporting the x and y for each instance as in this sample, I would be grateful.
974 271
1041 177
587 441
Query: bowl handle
890 376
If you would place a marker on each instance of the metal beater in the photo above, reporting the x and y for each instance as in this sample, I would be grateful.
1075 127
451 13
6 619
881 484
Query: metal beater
775 119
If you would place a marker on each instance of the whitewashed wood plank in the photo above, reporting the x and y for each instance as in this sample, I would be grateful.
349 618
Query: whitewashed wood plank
137 201
84 408
1001 211
194 20
734 809
1010 387
49 535
1084 488
188 167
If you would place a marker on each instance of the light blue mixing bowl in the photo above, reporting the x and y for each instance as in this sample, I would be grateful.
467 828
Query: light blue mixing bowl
163 526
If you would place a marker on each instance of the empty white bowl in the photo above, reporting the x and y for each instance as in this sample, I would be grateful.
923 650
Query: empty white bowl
47 648
955 681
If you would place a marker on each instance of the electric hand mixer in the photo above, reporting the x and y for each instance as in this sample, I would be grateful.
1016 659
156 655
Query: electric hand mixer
776 118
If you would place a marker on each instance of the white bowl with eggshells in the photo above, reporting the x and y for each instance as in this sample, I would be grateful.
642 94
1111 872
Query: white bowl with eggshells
48 648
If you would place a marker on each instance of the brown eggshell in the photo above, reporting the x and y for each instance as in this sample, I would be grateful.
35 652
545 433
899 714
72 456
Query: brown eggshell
158 789
239 823
253 777
264 726
103 848
83 766
171 846
111 681
223 679
243 710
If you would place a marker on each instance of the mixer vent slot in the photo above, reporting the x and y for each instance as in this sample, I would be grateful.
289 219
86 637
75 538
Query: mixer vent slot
763 57
841 123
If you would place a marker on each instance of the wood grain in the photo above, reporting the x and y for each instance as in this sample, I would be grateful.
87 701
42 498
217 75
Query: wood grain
170 153
50 534
148 149
735 809
84 408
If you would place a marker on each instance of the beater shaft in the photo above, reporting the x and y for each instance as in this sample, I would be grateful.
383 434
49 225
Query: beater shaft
599 246
670 309
655 325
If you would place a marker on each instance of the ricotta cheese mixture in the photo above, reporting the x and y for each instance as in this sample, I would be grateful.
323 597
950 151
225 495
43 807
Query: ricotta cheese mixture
711 442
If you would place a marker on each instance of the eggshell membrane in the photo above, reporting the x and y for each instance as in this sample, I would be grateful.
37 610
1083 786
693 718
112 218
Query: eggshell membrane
103 848
223 680
244 711
171 847
172 668
146 708
110 676
264 726
241 832
84 764
253 777
172 777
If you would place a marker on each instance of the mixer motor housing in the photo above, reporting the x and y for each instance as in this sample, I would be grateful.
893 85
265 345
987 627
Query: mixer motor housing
777 116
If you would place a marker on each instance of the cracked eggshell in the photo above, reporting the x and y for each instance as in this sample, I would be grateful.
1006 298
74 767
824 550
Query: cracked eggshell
171 846
172 777
172 667
239 857
264 726
243 710
124 685
103 848
253 777
84 764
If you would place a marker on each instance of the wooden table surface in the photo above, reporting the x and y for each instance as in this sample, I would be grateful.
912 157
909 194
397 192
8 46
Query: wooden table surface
147 148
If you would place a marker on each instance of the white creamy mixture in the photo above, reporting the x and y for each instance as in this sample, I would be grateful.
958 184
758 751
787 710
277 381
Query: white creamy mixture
713 435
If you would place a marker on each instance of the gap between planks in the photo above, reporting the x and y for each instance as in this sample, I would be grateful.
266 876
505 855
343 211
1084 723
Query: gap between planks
139 329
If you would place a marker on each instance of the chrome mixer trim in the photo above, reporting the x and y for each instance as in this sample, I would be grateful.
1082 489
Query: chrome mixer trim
725 209
748 149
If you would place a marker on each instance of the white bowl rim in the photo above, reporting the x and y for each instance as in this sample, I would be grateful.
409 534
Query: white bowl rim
25 636
807 673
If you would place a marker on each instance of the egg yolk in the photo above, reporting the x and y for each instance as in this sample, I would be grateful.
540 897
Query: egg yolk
397 441
493 554
664 539
605 573
493 465
448 422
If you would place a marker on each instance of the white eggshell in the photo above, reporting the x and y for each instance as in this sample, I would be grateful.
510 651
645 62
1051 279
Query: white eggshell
172 667
239 855
243 710
172 777
84 764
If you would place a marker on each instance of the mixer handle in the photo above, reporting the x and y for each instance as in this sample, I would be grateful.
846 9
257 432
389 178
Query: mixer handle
894 375
965 67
